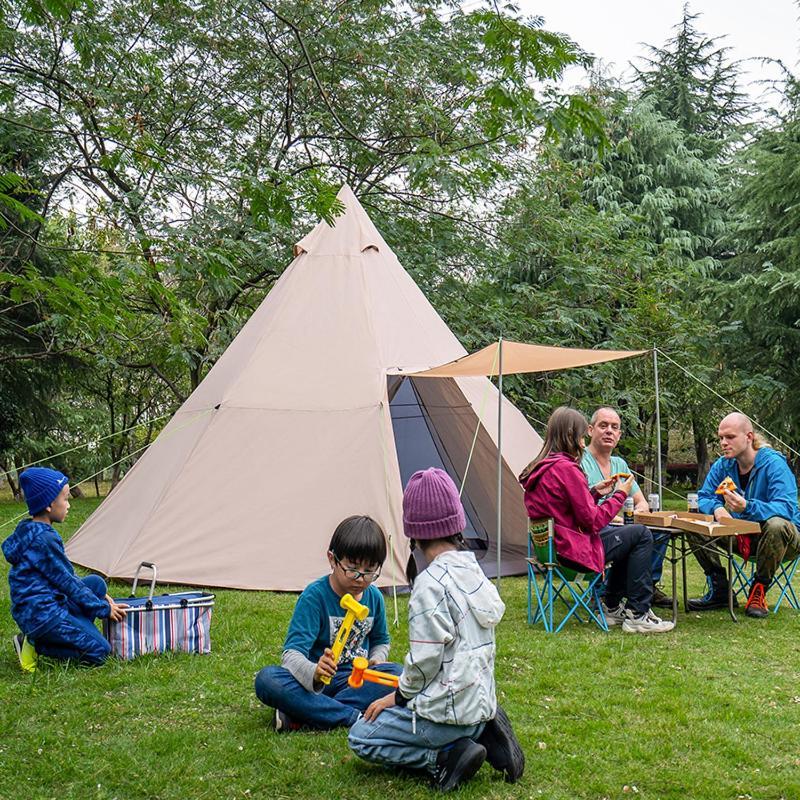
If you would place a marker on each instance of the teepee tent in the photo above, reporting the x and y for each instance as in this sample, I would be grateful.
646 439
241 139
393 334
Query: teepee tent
301 423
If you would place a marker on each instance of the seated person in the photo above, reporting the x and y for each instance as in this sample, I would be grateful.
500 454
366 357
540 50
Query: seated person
556 487
444 718
54 608
295 689
767 494
598 463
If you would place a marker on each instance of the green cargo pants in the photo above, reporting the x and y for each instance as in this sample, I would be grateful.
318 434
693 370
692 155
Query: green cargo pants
778 541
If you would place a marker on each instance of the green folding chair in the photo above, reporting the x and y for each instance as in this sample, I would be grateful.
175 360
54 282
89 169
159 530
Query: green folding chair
551 585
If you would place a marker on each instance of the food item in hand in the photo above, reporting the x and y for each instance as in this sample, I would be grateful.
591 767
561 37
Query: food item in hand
620 476
727 485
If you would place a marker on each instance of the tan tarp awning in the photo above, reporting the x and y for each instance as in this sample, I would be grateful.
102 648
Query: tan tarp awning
519 358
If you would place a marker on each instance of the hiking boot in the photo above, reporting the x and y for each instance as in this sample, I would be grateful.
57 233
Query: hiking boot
715 597
757 602
283 723
503 751
660 600
646 623
457 764
26 653
614 616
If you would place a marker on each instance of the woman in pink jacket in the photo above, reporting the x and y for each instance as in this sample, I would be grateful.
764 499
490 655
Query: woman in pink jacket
556 487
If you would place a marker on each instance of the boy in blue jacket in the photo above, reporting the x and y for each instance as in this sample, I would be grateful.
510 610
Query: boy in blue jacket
766 492
54 608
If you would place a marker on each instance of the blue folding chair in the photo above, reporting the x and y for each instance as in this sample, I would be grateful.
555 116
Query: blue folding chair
576 591
744 573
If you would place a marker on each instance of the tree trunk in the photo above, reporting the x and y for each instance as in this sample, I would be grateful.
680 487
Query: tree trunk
115 475
76 491
701 451
97 486
12 484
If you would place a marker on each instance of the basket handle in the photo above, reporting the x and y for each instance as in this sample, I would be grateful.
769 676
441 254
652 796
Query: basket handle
150 565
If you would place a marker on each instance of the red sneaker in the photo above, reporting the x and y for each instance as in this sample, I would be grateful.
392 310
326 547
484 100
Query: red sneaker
757 602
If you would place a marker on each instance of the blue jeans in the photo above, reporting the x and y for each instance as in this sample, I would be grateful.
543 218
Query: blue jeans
391 739
75 637
336 705
660 544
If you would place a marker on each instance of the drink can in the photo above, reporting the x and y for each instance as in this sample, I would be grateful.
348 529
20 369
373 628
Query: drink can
627 511
654 502
692 502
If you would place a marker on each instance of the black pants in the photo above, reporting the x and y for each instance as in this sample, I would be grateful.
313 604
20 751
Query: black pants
629 548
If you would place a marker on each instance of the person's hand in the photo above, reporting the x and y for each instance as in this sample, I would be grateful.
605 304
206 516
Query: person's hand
720 513
117 611
604 487
375 708
626 485
734 502
326 666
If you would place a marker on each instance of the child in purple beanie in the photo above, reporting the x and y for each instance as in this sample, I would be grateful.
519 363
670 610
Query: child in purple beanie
444 717
54 608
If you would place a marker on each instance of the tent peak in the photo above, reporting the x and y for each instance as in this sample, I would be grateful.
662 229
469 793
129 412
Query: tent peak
352 232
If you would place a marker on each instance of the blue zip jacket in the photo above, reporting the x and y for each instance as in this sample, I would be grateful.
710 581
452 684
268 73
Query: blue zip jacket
42 580
771 491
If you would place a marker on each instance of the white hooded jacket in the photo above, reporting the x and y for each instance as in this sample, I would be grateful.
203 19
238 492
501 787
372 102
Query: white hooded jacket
448 673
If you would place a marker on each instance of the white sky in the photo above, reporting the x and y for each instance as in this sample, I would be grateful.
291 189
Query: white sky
614 30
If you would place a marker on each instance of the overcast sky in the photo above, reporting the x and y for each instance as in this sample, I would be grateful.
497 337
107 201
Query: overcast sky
614 30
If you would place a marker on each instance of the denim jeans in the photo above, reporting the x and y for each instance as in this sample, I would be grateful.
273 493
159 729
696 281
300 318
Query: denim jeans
392 740
660 544
336 705
75 637
629 548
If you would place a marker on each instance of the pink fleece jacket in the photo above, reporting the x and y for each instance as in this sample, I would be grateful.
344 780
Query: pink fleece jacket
557 488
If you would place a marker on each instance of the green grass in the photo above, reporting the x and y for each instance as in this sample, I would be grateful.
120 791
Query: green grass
709 711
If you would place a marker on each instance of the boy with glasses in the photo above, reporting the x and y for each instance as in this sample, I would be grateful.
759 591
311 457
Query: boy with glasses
296 689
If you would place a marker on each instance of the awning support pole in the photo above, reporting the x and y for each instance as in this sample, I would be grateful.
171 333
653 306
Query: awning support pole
658 430
499 459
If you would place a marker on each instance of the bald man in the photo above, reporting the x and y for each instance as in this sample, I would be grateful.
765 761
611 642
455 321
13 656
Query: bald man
766 492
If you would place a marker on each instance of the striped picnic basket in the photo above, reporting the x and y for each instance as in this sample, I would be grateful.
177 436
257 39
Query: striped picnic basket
157 623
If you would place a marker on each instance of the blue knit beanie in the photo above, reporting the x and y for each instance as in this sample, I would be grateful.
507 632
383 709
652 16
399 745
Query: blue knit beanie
41 486
431 506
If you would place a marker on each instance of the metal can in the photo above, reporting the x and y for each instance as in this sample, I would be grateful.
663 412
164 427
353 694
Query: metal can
627 511
654 502
692 502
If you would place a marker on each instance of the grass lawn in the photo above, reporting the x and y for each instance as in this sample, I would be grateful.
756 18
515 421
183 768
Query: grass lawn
711 710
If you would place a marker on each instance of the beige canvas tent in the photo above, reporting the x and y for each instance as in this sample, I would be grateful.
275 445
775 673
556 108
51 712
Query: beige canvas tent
300 424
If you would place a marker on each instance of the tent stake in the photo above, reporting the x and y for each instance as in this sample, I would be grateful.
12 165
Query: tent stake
499 459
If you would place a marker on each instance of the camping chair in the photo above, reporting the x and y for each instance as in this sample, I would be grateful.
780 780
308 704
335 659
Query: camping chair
744 573
576 590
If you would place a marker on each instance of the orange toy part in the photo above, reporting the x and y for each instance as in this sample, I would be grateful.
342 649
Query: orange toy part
361 673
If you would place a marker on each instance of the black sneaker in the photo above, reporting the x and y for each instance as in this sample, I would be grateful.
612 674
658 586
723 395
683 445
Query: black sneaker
503 751
661 600
283 723
458 764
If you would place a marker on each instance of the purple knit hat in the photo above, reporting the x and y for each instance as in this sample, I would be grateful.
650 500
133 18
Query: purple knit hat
431 506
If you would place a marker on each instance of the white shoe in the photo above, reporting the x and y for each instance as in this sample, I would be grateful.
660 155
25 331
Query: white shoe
646 623
614 616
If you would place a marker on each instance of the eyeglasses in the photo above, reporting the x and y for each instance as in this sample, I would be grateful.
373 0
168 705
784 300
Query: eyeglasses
356 574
